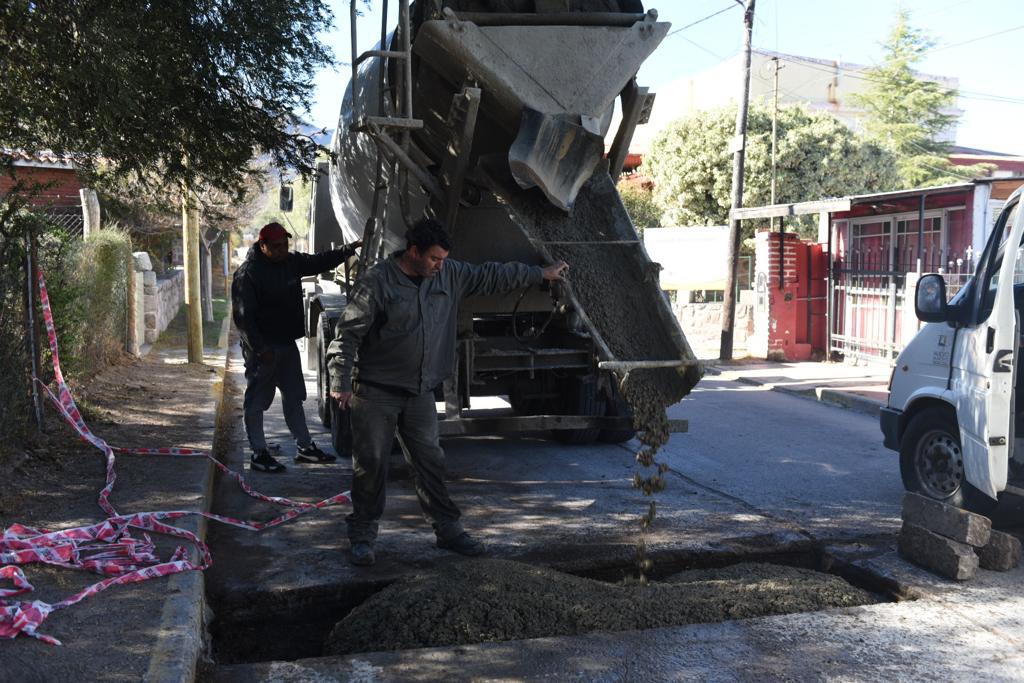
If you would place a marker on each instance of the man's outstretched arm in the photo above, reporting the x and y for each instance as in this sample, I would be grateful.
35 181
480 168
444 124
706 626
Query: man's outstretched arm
495 278
314 264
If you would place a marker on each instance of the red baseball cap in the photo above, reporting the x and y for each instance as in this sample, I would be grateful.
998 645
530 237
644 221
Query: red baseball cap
273 231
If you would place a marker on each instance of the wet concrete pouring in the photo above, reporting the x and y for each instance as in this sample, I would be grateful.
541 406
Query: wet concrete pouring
290 594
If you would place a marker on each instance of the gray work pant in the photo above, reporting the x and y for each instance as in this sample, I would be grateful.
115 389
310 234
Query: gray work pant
284 372
376 413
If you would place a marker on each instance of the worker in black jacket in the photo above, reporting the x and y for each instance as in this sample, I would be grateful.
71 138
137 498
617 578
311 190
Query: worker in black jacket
266 298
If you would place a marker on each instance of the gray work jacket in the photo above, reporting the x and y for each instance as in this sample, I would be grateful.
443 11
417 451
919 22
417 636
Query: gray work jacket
401 336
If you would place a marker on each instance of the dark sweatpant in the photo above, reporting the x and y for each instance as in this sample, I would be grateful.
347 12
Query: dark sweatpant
376 413
262 382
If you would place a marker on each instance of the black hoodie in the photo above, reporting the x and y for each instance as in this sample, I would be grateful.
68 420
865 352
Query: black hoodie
266 297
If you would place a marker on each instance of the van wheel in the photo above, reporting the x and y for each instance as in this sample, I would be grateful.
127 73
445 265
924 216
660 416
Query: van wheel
323 401
932 462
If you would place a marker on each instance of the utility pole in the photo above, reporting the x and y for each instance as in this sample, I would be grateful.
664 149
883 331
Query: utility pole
738 145
775 121
193 307
775 137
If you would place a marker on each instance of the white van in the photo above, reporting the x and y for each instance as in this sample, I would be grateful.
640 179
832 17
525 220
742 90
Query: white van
951 411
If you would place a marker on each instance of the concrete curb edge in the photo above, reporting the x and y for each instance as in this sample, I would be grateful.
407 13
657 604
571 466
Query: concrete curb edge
834 397
181 639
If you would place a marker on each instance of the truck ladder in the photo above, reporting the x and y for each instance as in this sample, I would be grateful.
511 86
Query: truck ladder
382 126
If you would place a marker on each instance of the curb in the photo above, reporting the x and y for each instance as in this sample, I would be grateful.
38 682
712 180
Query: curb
854 402
841 399
181 640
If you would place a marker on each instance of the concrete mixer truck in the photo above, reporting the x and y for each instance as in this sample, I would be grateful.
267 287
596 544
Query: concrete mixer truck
491 115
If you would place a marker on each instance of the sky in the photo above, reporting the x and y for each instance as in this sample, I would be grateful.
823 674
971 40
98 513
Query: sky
976 41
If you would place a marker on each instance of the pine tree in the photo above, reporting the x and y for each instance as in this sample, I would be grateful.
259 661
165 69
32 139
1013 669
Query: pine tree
908 115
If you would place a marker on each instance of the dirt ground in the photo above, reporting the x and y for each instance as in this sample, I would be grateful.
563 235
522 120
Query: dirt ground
54 482
495 600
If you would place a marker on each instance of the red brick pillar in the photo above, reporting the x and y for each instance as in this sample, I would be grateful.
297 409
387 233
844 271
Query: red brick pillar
782 298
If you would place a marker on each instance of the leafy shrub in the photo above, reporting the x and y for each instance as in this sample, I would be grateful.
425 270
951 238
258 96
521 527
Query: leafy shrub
87 286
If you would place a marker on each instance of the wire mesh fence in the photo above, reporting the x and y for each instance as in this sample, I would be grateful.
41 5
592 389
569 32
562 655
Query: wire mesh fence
869 285
87 283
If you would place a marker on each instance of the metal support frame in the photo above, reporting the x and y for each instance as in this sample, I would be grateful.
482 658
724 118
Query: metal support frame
377 126
552 18
920 234
464 426
830 294
462 123
633 100
428 181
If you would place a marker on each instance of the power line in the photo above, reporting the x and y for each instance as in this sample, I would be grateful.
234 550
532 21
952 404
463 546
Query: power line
971 40
968 94
717 56
699 21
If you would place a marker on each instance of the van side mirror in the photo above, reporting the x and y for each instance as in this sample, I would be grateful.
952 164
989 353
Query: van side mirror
930 299
285 198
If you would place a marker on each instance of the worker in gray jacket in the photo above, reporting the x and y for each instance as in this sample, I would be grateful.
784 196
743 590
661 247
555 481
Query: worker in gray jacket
394 344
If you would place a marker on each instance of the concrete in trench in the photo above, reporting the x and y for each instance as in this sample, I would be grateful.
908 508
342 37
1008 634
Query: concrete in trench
970 633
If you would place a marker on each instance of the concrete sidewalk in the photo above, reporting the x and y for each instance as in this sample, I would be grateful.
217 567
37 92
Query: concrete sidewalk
153 630
863 387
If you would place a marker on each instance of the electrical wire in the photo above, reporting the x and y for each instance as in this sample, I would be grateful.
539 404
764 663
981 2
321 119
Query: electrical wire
816 66
700 21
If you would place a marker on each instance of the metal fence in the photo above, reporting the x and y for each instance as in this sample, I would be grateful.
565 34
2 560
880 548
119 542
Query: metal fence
869 290
70 218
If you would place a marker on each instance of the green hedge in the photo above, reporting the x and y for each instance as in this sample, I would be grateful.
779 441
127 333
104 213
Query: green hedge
87 282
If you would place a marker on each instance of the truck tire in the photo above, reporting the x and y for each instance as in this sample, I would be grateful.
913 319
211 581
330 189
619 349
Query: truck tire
581 398
931 462
617 408
524 404
324 334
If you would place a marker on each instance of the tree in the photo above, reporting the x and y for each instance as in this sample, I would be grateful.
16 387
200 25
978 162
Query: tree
908 115
817 156
150 211
189 88
640 205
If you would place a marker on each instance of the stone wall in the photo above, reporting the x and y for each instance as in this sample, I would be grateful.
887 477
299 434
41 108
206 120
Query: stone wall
161 298
702 325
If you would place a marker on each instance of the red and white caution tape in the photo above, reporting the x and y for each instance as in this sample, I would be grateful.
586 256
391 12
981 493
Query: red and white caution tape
109 548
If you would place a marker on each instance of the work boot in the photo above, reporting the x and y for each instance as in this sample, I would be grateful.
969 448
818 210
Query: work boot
361 554
463 544
262 461
312 454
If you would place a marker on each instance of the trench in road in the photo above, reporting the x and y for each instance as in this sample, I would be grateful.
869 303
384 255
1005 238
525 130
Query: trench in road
736 582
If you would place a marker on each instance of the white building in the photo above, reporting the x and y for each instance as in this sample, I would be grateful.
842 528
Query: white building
818 83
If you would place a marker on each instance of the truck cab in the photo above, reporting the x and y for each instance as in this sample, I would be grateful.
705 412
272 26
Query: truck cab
952 412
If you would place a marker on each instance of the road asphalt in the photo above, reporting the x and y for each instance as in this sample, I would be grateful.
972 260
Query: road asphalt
538 502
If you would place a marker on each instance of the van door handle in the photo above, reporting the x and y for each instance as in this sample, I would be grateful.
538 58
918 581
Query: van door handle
990 342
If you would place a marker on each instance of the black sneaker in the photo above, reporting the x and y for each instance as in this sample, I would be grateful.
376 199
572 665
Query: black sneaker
312 454
463 544
262 461
361 554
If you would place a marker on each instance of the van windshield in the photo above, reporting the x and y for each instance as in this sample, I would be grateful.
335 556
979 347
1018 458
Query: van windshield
990 283
1005 226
